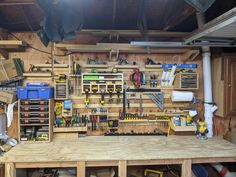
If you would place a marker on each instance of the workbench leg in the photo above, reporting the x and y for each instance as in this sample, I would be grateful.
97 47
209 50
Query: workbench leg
10 170
81 169
122 168
186 168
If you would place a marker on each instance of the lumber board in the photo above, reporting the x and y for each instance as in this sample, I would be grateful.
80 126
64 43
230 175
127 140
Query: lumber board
183 128
11 44
186 169
97 96
154 162
95 66
144 120
122 168
81 169
69 129
37 74
121 48
10 170
135 105
153 113
127 66
154 66
50 65
218 84
45 164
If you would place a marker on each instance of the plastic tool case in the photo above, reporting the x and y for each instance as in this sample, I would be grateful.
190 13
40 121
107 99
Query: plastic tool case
35 91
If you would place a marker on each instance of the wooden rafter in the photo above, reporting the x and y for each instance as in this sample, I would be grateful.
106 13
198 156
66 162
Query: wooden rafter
133 33
114 12
26 18
122 48
3 34
16 2
182 15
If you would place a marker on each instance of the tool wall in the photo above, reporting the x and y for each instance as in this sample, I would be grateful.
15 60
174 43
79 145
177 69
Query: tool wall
157 108
94 85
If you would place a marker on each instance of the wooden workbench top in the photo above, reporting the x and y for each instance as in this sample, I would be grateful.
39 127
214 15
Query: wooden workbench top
102 148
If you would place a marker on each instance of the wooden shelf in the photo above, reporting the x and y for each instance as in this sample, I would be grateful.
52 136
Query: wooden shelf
152 113
11 44
183 128
158 87
121 48
74 75
50 65
153 66
37 74
145 97
127 66
135 105
34 141
144 120
98 114
69 129
7 46
89 81
95 66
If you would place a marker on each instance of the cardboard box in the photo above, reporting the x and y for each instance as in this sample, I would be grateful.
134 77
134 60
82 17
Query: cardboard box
10 68
3 74
7 97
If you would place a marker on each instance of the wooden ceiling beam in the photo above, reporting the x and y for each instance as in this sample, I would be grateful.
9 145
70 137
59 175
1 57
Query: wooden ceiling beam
133 33
17 2
114 4
122 48
26 17
180 16
3 34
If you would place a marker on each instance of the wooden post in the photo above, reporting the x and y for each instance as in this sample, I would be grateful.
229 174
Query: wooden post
10 170
81 169
186 168
122 168
2 170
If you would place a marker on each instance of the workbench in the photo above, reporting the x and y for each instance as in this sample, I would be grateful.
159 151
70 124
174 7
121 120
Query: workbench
121 151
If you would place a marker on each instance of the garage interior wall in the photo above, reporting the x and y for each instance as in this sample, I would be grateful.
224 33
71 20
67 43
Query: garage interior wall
32 56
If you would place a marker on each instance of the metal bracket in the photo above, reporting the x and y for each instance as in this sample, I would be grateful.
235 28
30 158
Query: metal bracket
158 99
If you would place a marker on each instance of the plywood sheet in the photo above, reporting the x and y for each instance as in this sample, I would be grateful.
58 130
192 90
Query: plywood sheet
218 85
100 148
